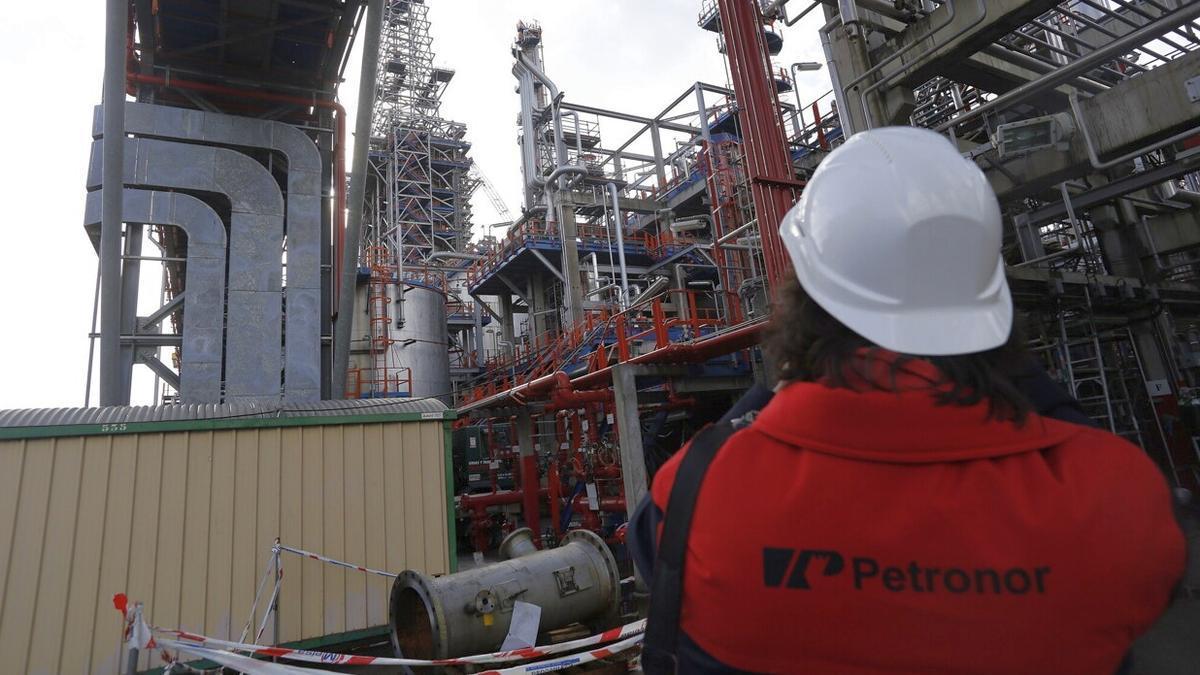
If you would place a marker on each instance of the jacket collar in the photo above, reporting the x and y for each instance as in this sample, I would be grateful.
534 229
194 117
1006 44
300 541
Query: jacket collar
898 421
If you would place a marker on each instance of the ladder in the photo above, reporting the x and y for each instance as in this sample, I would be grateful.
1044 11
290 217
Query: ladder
379 260
1103 371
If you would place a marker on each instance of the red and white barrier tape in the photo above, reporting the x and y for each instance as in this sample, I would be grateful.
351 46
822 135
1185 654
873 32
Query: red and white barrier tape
564 662
632 631
228 652
334 561
240 663
247 664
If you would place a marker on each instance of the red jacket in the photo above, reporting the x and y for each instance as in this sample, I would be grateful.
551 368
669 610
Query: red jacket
875 531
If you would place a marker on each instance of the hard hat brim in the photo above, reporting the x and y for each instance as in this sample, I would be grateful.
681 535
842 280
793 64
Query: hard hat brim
926 331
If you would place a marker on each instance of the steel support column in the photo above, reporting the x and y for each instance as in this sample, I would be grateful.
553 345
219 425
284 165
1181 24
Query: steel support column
660 167
131 272
629 435
111 379
358 186
507 332
570 261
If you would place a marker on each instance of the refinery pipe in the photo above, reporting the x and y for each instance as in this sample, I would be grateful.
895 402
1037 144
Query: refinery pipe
517 544
469 612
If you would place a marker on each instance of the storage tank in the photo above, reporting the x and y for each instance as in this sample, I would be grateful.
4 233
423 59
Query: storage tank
422 343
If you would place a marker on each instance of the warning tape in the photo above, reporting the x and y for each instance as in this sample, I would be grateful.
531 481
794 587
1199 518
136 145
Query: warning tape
631 631
569 661
334 561
246 664
242 664
622 638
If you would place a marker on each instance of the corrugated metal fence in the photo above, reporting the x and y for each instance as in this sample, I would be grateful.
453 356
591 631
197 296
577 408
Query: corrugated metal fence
182 514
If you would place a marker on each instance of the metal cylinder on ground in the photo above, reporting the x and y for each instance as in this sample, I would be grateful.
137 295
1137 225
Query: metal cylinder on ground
422 344
469 612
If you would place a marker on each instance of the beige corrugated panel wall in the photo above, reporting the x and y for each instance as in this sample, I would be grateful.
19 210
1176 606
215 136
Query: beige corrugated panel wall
184 521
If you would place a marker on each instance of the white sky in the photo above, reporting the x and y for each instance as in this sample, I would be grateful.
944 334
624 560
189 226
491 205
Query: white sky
628 55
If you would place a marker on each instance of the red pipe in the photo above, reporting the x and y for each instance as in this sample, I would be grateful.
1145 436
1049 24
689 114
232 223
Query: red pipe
554 490
504 498
529 490
701 350
567 398
608 471
773 181
821 141
540 386
491 499
608 504
339 147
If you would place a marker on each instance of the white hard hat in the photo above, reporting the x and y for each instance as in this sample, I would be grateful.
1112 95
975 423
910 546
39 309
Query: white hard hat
898 237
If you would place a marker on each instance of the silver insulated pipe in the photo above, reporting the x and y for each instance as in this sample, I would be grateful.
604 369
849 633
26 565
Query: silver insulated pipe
469 612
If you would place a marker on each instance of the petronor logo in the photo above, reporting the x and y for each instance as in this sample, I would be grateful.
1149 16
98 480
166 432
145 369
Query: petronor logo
777 562
799 568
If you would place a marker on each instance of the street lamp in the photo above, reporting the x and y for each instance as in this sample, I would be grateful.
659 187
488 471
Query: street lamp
801 66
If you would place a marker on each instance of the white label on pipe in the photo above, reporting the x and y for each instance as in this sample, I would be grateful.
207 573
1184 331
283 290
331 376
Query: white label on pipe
523 629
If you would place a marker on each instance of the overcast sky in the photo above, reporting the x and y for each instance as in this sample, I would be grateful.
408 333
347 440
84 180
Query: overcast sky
628 55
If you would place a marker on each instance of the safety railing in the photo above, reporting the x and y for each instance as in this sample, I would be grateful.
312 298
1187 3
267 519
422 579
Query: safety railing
819 124
535 231
666 242
378 382
603 337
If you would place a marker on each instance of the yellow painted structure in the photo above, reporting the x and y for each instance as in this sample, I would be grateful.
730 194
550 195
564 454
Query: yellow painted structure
182 515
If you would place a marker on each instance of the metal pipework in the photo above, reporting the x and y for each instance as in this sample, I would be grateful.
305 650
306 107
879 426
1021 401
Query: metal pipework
1146 33
116 18
1094 156
844 117
517 544
555 100
455 255
469 612
848 11
528 138
620 227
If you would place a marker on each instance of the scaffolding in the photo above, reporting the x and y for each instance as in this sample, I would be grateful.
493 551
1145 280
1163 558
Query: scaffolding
418 203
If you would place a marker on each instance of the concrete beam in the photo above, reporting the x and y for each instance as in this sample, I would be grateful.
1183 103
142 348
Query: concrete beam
692 385
931 53
629 436
1109 192
998 75
1175 231
1138 112
1143 109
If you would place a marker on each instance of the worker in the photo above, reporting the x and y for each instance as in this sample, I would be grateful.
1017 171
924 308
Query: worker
898 505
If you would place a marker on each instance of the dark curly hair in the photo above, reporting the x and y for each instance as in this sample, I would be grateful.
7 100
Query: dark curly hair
806 343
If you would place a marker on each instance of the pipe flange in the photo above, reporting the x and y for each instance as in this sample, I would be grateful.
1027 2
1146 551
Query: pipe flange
411 580
518 543
593 540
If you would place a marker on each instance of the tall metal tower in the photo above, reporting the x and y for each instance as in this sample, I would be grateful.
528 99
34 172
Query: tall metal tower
418 216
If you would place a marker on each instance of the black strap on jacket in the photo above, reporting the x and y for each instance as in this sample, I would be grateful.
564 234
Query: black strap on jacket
666 589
